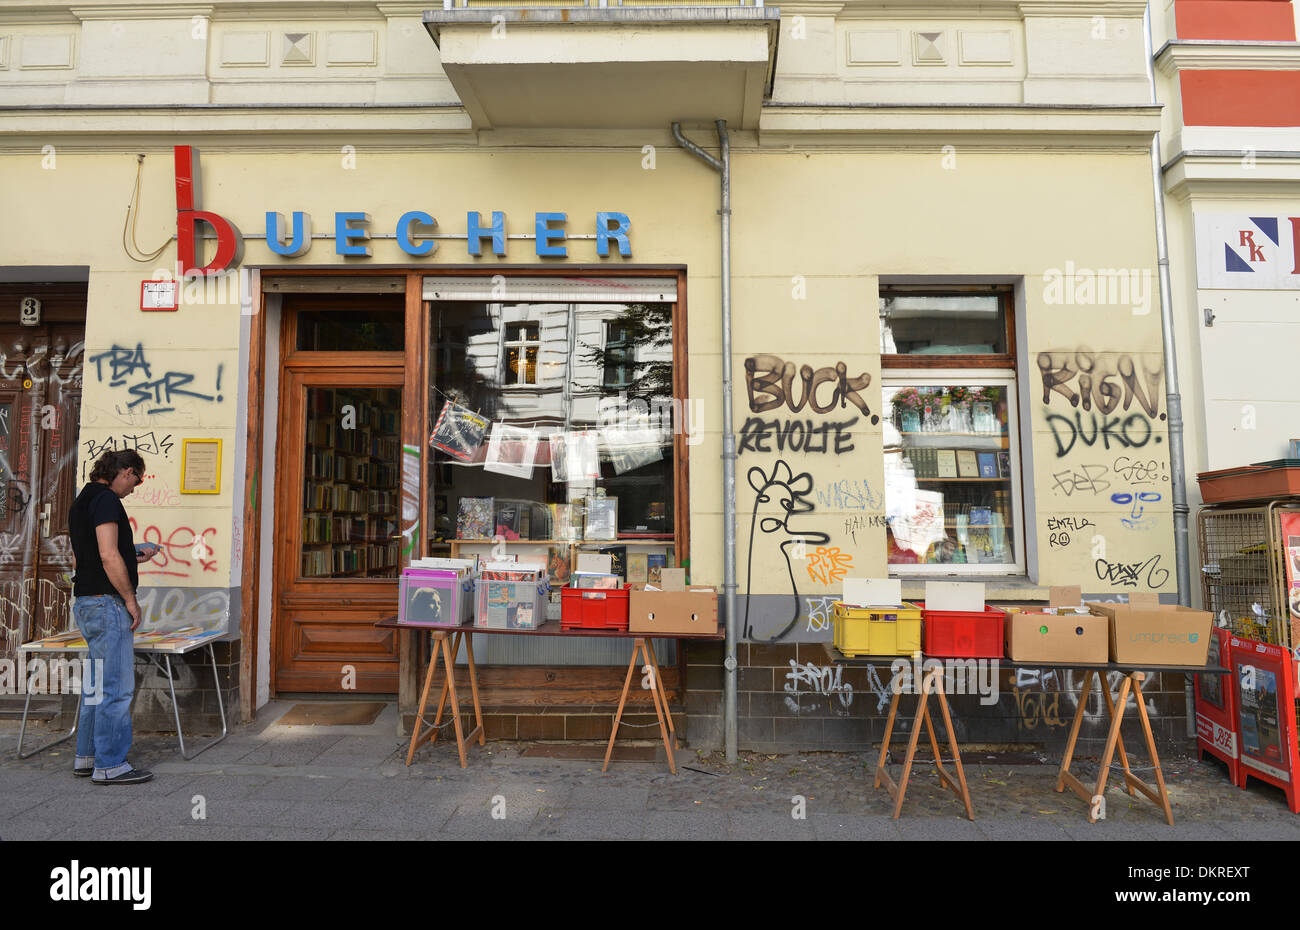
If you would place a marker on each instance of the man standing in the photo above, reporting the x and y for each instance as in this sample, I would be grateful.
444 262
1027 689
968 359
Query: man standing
107 614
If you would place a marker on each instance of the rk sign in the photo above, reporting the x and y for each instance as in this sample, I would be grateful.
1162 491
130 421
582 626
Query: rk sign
414 230
1251 252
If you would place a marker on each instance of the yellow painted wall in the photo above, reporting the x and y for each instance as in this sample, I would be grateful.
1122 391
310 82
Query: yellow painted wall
837 221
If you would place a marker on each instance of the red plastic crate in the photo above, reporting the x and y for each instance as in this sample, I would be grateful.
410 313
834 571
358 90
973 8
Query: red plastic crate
964 634
594 608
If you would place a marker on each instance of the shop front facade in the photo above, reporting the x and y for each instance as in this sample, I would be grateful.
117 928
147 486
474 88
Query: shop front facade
447 316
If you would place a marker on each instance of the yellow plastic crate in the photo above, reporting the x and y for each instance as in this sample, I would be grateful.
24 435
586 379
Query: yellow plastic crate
877 631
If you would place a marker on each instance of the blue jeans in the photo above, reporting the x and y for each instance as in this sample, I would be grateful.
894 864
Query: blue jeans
104 729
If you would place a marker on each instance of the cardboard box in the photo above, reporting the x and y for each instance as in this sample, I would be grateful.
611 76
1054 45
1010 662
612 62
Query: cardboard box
663 612
1037 636
872 592
1145 632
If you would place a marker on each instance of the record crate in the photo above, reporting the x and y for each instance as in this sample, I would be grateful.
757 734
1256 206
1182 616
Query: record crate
511 605
877 631
434 595
964 634
594 608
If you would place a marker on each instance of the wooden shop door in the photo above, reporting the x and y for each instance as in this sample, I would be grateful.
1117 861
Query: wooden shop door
337 540
40 412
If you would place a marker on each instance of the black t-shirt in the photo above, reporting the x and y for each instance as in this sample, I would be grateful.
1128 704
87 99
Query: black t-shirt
97 504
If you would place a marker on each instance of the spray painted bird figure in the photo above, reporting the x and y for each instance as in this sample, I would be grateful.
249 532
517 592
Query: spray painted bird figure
790 492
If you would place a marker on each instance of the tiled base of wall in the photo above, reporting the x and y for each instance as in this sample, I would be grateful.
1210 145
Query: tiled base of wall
196 693
793 698
575 722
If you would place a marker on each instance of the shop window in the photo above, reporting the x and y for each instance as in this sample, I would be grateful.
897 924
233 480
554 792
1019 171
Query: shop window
350 483
951 433
583 461
356 326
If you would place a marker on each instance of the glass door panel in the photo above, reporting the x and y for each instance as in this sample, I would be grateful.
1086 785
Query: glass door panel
351 483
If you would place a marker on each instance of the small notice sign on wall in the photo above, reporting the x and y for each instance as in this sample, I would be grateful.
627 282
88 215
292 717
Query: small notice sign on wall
201 466
157 295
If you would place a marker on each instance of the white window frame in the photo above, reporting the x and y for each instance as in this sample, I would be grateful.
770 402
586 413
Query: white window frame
1006 379
523 345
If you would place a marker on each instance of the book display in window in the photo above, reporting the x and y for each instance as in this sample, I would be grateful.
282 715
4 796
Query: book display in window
351 483
948 475
476 518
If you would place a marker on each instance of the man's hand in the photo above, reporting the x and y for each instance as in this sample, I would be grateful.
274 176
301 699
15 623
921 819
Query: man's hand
146 551
133 609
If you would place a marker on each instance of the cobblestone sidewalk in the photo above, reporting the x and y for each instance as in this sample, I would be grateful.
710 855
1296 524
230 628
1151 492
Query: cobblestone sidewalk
267 781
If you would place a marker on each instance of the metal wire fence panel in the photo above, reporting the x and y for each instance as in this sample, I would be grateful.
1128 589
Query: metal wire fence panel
1238 572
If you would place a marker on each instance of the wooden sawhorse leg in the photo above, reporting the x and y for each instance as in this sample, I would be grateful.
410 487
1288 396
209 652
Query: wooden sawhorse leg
933 682
641 647
1114 740
445 648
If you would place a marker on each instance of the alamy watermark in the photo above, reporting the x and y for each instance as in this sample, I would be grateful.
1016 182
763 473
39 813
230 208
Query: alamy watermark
959 676
1104 286
226 287
42 675
662 415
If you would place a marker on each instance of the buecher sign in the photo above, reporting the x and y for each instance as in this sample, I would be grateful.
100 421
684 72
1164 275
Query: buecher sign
351 230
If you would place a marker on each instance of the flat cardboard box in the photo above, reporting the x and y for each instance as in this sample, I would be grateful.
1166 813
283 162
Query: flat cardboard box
672 579
659 613
954 596
1080 639
1157 634
872 592
595 562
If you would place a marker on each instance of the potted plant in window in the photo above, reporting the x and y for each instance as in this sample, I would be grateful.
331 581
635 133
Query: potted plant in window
907 410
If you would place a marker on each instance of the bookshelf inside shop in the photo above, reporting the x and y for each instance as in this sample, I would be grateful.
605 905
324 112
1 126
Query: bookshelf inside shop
953 451
351 490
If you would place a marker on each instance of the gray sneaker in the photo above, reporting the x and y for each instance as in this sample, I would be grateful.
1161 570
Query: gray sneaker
132 777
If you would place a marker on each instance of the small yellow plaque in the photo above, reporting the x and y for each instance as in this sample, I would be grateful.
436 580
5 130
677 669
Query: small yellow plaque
201 466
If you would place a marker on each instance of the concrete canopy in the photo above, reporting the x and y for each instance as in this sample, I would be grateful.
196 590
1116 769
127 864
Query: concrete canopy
608 68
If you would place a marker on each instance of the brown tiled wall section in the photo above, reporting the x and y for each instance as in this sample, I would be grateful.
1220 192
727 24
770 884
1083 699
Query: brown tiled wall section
772 719
569 721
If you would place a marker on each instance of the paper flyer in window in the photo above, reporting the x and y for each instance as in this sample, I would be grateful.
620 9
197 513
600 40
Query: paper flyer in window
459 431
581 455
511 451
632 448
555 444
922 525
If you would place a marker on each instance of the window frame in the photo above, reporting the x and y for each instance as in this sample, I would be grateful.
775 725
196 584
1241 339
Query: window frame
1005 360
627 354
680 316
998 370
927 377
524 345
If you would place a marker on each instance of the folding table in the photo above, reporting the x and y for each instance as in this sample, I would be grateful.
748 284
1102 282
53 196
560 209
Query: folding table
1115 708
446 649
150 643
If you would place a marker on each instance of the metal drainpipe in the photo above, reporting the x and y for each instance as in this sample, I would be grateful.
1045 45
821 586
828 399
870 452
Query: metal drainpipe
1173 399
730 670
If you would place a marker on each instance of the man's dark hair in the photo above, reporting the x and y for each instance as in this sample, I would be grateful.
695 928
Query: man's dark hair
111 464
